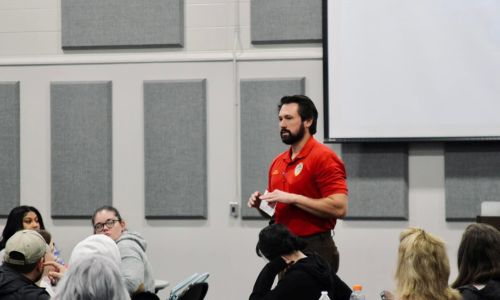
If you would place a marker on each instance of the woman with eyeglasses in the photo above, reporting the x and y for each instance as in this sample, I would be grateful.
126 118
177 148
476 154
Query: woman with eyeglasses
135 267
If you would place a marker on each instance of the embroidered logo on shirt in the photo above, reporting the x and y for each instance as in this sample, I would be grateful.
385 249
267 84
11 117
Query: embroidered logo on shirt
298 169
275 172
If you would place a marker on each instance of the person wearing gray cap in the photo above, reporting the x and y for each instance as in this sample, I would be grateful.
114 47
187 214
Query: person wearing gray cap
23 266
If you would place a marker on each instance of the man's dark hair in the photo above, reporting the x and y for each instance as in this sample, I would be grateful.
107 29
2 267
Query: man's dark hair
307 109
46 235
275 240
15 222
108 208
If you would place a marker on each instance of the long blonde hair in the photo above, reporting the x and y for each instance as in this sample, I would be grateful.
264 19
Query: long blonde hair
423 268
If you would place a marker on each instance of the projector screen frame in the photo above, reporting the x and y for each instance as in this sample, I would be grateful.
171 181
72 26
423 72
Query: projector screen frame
326 105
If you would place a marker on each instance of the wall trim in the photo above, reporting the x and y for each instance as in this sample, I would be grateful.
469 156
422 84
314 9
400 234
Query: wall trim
124 58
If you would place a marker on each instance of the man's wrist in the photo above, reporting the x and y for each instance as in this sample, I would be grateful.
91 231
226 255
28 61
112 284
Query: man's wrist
296 198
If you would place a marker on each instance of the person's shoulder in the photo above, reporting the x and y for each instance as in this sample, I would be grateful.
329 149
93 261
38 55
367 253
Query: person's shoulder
132 240
324 155
130 236
322 149
283 155
469 292
32 291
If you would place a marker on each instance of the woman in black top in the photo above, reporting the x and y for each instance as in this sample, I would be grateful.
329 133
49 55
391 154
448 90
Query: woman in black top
479 263
303 277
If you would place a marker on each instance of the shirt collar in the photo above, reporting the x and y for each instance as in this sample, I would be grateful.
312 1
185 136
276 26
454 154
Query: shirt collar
303 153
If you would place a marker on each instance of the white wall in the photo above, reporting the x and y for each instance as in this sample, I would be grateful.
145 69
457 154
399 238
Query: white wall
30 52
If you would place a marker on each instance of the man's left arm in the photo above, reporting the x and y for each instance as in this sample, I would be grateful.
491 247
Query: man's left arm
333 206
330 178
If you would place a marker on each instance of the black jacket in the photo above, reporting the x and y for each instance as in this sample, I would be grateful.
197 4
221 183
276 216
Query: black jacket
490 292
302 281
14 286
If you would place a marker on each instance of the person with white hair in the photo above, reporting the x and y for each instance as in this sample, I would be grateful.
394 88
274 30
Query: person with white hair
90 246
95 244
92 277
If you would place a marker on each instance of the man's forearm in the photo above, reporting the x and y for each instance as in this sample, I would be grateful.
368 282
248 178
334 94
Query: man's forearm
333 206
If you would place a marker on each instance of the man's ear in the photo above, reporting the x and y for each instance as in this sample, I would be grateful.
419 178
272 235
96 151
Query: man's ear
308 123
40 263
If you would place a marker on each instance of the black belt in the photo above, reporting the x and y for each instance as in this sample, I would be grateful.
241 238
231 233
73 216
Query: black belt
321 235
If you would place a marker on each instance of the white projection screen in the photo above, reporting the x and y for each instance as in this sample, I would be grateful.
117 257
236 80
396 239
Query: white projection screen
411 70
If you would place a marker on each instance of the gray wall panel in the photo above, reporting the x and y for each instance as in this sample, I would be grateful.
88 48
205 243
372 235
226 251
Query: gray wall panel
175 132
9 146
81 136
286 21
377 177
471 176
260 139
122 23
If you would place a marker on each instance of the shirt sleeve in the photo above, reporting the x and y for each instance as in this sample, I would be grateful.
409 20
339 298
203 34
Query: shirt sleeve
262 287
330 175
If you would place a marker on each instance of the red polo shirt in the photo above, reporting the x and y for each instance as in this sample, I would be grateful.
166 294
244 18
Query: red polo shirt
316 172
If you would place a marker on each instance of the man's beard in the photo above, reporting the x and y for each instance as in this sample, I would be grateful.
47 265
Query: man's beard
291 138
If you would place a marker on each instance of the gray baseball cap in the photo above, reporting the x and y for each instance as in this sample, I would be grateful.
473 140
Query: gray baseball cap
25 247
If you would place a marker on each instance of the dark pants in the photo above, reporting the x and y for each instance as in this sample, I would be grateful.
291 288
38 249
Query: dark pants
324 246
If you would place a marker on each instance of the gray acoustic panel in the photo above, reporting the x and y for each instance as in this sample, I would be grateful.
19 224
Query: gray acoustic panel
122 23
377 177
471 176
81 138
9 147
260 138
175 146
286 21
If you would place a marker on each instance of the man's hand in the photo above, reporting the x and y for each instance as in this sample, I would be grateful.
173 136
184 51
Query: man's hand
254 200
333 206
279 196
57 272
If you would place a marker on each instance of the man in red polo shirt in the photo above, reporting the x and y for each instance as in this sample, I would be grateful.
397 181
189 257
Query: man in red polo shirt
307 182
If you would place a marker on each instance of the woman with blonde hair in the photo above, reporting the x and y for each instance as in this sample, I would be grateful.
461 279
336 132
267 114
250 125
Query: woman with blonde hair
423 268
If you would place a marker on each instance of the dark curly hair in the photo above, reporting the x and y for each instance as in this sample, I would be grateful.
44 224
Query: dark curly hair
275 240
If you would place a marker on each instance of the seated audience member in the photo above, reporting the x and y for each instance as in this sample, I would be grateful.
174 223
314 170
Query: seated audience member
24 217
92 277
135 267
303 277
479 263
423 268
93 245
23 266
90 246
45 282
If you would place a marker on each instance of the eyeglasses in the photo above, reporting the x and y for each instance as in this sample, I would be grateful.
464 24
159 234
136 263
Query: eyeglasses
98 227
